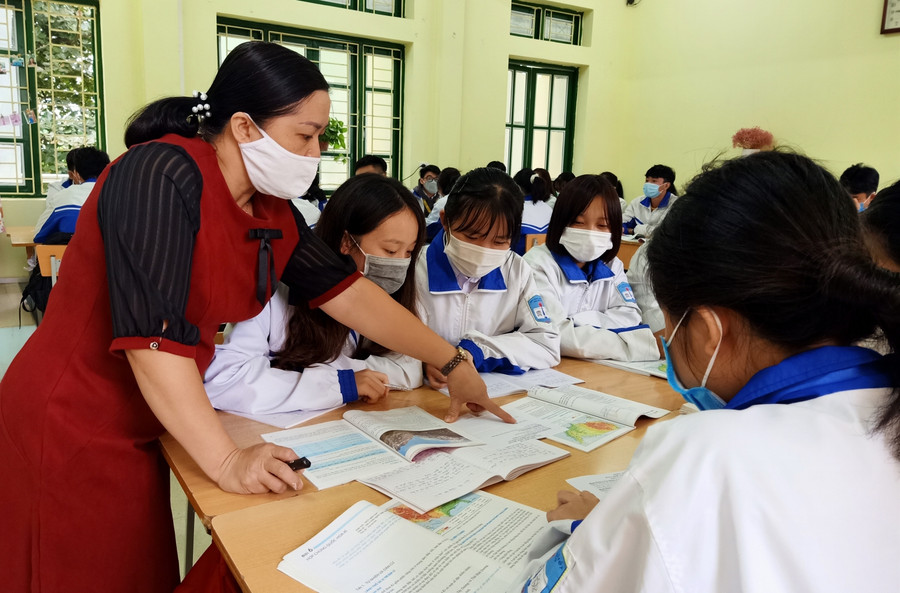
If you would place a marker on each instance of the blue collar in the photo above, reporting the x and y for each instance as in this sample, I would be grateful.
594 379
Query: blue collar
595 270
662 204
813 373
442 278
91 180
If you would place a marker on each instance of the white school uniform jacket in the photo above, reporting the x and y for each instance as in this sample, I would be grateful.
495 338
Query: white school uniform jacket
241 379
639 216
61 206
503 322
593 308
535 220
309 211
799 497
639 278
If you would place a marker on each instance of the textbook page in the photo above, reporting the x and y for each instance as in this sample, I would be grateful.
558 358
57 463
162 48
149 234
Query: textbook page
497 528
598 484
573 428
338 451
651 368
367 549
597 403
500 384
408 431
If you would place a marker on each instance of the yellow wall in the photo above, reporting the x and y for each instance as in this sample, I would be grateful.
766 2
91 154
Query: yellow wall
664 81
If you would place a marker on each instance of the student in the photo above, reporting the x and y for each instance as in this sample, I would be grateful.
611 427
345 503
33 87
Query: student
861 182
614 181
881 227
296 358
789 477
370 163
538 189
472 290
427 189
56 186
62 207
583 282
639 278
558 184
446 179
645 212
497 165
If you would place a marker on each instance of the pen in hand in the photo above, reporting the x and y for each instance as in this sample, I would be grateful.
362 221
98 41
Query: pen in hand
299 464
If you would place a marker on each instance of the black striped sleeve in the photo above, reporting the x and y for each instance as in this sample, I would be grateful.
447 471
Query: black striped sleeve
149 214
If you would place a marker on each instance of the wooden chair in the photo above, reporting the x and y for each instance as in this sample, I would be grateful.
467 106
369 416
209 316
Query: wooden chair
534 240
49 259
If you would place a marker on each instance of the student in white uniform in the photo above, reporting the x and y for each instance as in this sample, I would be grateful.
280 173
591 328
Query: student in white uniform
582 281
475 292
639 278
537 186
645 212
63 206
446 180
789 477
295 358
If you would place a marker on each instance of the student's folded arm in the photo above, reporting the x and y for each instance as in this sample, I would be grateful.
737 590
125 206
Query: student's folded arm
402 370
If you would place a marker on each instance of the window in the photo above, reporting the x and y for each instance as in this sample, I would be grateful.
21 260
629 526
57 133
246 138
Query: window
366 81
540 116
387 7
545 22
50 94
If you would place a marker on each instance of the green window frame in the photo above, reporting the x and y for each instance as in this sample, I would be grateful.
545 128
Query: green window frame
540 116
366 79
385 7
51 78
547 23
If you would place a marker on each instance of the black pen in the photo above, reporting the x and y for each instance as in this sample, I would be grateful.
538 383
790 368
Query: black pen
299 464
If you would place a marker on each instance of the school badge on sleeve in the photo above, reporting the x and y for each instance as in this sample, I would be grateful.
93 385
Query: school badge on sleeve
626 292
536 304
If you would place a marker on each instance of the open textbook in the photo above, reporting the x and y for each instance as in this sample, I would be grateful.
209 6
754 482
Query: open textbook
500 384
584 419
474 543
491 452
651 368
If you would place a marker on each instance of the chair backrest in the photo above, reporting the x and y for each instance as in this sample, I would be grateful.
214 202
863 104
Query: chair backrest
49 259
534 240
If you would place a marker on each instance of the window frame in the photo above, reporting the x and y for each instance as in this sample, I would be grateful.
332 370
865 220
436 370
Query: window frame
28 95
542 13
360 6
532 69
358 89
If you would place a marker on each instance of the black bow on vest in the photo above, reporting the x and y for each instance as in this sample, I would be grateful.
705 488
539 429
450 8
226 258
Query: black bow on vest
265 255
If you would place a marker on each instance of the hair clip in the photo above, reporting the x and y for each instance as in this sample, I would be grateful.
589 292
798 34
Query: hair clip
201 109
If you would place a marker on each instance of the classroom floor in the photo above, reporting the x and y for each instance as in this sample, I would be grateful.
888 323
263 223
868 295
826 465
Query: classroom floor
12 337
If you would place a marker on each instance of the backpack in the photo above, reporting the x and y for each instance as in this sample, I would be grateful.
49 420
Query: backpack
37 290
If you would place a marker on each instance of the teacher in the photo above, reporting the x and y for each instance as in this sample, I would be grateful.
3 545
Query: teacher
188 229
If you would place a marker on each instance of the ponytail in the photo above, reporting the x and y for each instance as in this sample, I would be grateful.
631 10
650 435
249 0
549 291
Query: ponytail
171 115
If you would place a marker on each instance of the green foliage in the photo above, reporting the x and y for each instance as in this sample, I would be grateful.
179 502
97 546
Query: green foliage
335 135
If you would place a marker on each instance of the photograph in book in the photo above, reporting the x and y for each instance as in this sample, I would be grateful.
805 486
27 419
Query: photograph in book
403 441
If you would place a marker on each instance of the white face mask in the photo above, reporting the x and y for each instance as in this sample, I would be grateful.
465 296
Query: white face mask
473 260
275 170
585 245
387 272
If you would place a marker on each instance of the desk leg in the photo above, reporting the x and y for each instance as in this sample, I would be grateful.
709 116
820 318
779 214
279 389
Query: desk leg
189 539
29 251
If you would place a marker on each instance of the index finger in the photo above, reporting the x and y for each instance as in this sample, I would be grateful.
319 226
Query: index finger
497 411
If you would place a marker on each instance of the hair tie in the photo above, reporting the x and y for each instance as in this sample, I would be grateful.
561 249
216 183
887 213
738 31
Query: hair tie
201 109
533 177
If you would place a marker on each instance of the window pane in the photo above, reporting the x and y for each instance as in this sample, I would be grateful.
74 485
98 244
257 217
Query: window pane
519 99
539 149
542 100
506 149
9 102
379 72
386 6
521 23
518 150
12 165
300 49
557 148
340 104
335 66
558 27
509 84
332 172
560 97
8 29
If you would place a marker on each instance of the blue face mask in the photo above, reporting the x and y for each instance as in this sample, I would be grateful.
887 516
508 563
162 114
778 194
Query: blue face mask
701 396
861 208
651 190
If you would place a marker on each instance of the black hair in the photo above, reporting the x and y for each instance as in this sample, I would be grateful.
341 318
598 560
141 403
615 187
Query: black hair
497 165
429 169
860 179
561 180
614 181
665 173
881 221
357 207
482 197
90 162
370 160
70 159
447 178
261 79
315 194
774 238
574 199
535 183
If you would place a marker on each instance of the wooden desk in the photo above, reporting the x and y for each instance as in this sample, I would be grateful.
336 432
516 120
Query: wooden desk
626 251
22 236
255 531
